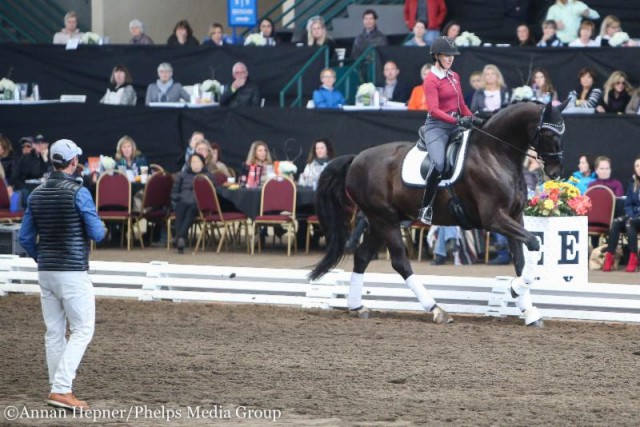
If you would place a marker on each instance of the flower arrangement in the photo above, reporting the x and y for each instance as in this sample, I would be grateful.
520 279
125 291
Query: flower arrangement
467 39
558 199
619 39
522 93
255 39
107 163
90 38
212 86
364 95
287 168
8 87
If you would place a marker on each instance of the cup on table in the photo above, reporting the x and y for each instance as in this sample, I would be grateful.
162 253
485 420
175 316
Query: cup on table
144 174
231 180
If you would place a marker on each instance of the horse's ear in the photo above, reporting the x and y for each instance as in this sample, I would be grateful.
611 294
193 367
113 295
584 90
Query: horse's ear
564 104
546 113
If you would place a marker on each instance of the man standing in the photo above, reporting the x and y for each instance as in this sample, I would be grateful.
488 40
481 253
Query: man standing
393 89
370 35
241 92
61 217
433 12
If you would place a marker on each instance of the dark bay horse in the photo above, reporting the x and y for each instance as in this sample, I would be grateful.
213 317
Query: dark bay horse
492 192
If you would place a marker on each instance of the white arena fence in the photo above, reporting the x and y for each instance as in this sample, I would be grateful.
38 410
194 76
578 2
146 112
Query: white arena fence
467 295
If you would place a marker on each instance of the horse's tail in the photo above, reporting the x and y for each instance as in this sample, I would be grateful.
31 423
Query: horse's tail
331 206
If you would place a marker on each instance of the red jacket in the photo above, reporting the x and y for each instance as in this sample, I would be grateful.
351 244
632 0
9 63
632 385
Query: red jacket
436 11
444 95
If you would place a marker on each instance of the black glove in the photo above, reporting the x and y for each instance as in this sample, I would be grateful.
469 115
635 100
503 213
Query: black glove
477 121
465 122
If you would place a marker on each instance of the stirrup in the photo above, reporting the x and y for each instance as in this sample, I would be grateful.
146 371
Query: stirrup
425 215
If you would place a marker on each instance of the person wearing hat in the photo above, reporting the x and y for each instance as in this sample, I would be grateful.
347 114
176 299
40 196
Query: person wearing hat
58 224
447 110
29 166
42 150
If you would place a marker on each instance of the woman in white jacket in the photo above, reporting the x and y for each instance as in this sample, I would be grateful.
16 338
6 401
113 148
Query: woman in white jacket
320 154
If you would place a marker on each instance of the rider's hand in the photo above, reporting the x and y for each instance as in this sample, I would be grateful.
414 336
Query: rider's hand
477 121
465 122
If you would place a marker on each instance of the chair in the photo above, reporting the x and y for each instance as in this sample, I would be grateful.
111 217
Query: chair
212 217
5 204
277 207
603 205
417 225
113 202
154 167
219 178
156 201
311 221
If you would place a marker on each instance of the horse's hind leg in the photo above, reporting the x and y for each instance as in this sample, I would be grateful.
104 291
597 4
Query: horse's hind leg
525 262
361 259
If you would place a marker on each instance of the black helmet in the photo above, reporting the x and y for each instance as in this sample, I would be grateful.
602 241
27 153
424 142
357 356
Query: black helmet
444 45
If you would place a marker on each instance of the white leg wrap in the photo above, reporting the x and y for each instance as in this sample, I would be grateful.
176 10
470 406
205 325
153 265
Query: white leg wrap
532 315
530 262
354 300
523 300
423 296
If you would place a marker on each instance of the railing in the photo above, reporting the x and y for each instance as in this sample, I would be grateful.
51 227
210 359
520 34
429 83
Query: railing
368 61
297 102
35 23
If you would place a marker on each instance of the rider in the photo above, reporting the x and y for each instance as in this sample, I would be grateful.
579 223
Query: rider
447 110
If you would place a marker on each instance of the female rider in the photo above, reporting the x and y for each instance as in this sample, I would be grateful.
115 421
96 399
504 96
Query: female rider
447 110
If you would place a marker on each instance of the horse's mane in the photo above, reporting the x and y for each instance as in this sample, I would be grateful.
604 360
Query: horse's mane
507 108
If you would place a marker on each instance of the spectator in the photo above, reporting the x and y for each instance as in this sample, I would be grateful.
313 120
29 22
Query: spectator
7 157
215 36
258 158
266 30
393 89
138 36
475 81
542 86
317 35
603 174
42 151
196 137
616 94
549 36
568 14
610 25
430 12
70 30
629 223
320 155
633 107
29 166
524 36
585 36
327 96
370 35
585 174
494 93
128 157
241 92
120 90
418 101
419 33
165 89
215 165
182 35
588 95
533 172
451 30
183 198
446 240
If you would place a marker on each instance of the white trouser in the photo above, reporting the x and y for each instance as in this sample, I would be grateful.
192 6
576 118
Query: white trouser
66 295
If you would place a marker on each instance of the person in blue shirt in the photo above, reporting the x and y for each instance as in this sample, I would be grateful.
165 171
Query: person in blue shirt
585 173
58 224
327 96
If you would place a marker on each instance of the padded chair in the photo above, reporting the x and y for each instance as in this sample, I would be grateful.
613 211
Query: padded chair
603 205
212 217
277 207
5 203
156 201
311 221
113 202
219 178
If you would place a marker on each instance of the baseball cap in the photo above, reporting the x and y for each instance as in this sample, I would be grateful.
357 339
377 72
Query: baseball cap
64 150
40 138
26 140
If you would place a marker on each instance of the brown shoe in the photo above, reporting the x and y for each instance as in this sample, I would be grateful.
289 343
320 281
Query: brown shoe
66 401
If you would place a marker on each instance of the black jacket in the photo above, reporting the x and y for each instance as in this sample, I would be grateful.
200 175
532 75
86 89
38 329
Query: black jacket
247 96
29 166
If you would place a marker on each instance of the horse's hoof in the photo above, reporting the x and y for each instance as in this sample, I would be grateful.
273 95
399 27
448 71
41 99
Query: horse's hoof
533 317
536 324
441 317
361 312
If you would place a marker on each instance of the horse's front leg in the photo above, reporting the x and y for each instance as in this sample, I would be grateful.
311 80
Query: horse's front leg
502 223
525 262
400 263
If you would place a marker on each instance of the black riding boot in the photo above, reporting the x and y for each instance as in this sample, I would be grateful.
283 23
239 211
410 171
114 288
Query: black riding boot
425 214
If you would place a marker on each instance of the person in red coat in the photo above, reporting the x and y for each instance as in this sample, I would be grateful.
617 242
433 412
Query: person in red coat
433 12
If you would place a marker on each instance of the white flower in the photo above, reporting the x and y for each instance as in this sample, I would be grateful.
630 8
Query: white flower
366 89
287 167
522 93
107 163
467 39
90 38
211 86
6 84
255 39
618 39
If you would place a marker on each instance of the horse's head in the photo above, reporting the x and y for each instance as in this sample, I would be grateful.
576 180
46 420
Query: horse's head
547 140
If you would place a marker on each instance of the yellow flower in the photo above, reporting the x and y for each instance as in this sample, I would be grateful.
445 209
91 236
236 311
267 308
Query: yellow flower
574 179
548 204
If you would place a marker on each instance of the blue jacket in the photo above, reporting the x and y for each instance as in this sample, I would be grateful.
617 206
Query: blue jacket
632 202
325 98
583 181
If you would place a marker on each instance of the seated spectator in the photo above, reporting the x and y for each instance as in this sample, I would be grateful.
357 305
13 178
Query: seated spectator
165 89
392 88
317 35
183 198
432 14
215 165
327 96
258 159
533 172
138 36
267 31
633 107
603 173
494 93
451 30
585 174
568 14
419 35
418 101
320 155
542 87
70 30
370 35
7 157
616 94
128 157
585 36
241 92
182 35
629 223
42 151
475 81
549 36
120 90
524 36
29 166
588 95
610 25
446 240
215 36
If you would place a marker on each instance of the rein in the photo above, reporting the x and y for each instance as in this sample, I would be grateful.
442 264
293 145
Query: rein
518 149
